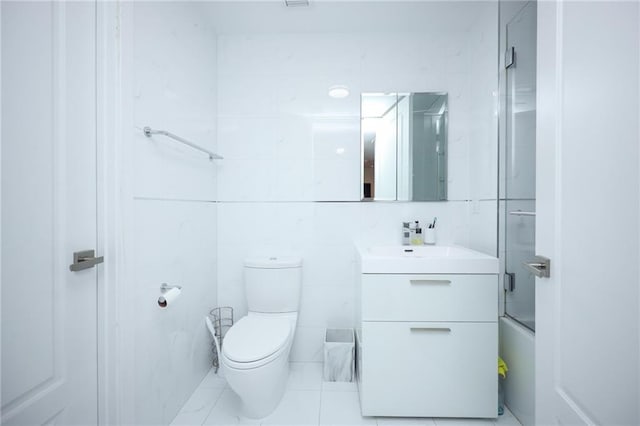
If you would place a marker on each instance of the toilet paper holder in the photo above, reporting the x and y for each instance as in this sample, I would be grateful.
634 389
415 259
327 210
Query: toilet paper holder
168 294
164 287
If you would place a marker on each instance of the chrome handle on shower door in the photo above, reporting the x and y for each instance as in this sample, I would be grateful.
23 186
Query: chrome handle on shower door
85 259
540 267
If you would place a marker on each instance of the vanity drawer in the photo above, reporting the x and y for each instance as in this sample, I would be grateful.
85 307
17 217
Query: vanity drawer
405 297
433 369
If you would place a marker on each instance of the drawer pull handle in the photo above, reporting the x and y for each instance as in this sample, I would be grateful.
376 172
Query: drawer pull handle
434 282
442 329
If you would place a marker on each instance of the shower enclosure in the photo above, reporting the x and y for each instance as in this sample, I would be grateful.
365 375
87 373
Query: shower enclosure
520 157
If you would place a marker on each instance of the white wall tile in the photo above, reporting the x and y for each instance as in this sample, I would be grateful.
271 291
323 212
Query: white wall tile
336 179
323 234
249 180
327 306
159 160
336 223
381 223
286 75
174 88
248 137
247 93
174 242
328 265
232 294
483 226
289 144
295 137
483 128
308 345
174 81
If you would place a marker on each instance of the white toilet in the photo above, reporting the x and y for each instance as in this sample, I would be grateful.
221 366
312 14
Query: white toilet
255 352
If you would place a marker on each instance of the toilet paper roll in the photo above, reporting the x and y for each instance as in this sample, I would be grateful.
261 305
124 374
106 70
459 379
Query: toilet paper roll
169 297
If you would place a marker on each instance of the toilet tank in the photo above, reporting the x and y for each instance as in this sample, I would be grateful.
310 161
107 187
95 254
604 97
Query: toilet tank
272 284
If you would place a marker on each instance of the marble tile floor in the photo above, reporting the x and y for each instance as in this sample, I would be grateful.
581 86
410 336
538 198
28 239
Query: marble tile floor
307 401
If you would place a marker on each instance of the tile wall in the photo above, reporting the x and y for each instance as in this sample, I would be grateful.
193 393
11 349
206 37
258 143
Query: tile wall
173 194
290 181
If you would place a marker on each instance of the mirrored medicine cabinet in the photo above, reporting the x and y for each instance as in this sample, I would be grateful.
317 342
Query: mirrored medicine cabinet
403 141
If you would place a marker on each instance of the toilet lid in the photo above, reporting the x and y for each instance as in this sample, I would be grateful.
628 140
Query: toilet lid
255 338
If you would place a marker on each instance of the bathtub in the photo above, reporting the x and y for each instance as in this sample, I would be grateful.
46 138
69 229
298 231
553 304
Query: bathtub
518 351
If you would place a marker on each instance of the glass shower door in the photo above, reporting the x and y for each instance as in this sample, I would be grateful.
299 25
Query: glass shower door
520 165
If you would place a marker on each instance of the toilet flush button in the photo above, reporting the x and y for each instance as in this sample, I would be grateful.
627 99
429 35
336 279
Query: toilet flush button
273 262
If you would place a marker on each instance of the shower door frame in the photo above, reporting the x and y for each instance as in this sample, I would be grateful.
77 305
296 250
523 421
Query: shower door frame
509 275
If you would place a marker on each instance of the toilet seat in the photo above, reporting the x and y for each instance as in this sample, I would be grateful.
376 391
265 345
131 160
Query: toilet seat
255 341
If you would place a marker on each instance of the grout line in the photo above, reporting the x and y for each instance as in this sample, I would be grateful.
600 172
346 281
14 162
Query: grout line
321 394
358 202
213 406
182 200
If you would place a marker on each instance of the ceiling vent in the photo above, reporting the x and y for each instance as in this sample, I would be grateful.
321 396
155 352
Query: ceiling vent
294 3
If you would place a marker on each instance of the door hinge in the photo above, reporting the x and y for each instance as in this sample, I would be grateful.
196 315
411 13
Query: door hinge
509 281
509 57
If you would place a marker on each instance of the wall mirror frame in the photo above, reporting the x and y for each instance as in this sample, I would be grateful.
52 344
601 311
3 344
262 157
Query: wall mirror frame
403 146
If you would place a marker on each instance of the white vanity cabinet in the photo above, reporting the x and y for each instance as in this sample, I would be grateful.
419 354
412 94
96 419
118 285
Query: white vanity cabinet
427 345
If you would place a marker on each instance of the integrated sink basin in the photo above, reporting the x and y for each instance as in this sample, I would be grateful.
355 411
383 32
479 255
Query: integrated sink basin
397 259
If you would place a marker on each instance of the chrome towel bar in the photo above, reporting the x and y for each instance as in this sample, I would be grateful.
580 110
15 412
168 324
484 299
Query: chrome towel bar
148 132
521 213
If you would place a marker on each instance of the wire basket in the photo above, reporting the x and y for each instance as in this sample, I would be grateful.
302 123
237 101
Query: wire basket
222 319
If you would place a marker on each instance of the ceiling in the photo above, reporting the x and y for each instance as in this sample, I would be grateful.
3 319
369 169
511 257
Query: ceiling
272 16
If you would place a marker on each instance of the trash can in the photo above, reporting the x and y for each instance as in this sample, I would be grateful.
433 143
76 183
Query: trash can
339 354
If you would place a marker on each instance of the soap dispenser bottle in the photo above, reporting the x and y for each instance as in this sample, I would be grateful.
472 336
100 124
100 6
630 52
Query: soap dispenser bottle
417 239
406 233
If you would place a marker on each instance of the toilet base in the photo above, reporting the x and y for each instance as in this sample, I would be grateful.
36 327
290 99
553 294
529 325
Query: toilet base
260 389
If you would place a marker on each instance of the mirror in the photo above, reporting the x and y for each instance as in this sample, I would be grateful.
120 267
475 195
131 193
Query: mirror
403 139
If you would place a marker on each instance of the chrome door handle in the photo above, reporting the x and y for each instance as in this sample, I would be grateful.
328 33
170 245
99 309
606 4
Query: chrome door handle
84 260
540 267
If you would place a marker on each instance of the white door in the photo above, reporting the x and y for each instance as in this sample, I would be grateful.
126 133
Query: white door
49 352
587 179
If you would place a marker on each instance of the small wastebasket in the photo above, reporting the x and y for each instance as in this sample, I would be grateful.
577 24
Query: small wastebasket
339 355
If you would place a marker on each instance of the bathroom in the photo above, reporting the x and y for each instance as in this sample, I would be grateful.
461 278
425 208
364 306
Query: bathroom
250 82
